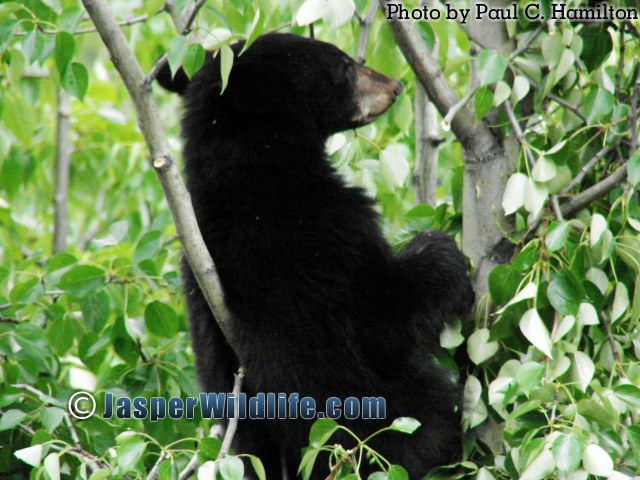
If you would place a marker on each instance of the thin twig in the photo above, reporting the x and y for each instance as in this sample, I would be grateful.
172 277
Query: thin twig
184 28
596 191
63 160
569 106
153 474
230 432
177 19
620 59
560 101
365 26
517 130
453 111
633 116
555 204
83 31
93 462
612 343
586 168
525 44
233 422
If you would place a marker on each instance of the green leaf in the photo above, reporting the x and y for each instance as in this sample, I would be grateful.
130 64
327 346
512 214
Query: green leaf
95 310
502 92
552 48
161 319
177 51
129 453
59 261
529 376
567 452
60 334
75 80
482 102
633 168
308 461
557 235
209 448
226 63
520 89
479 347
629 393
51 417
321 431
32 46
7 30
152 6
32 340
565 293
536 331
597 46
405 425
64 50
30 455
394 168
70 19
83 280
256 28
28 292
396 472
193 59
256 463
503 283
231 468
11 418
598 104
490 67
148 246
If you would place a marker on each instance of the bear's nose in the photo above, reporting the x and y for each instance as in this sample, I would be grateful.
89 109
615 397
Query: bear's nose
398 90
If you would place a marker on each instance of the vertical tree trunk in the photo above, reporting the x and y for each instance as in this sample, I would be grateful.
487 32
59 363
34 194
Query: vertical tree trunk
63 157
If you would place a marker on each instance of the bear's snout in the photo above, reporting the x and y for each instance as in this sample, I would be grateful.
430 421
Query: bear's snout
374 93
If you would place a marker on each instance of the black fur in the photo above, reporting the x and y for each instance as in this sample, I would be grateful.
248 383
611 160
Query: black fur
321 304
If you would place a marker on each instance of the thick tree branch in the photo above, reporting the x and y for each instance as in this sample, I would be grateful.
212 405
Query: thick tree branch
63 159
476 139
598 190
153 132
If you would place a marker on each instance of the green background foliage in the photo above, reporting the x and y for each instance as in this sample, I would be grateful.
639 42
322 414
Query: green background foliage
552 388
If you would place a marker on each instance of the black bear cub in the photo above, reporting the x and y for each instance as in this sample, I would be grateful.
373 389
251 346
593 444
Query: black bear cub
321 305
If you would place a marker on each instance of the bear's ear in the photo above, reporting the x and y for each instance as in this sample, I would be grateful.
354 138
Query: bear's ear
174 83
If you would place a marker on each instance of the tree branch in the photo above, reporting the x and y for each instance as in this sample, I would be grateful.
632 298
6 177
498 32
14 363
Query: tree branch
598 190
232 427
555 205
476 139
183 27
83 31
153 132
63 158
586 168
365 26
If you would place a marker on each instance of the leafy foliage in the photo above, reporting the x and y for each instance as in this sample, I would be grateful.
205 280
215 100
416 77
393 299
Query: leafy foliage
553 386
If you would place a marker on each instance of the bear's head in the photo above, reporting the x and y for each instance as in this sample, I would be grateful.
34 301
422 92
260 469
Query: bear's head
284 81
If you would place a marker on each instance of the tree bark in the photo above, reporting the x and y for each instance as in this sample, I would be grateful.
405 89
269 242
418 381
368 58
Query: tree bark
486 163
63 158
154 135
